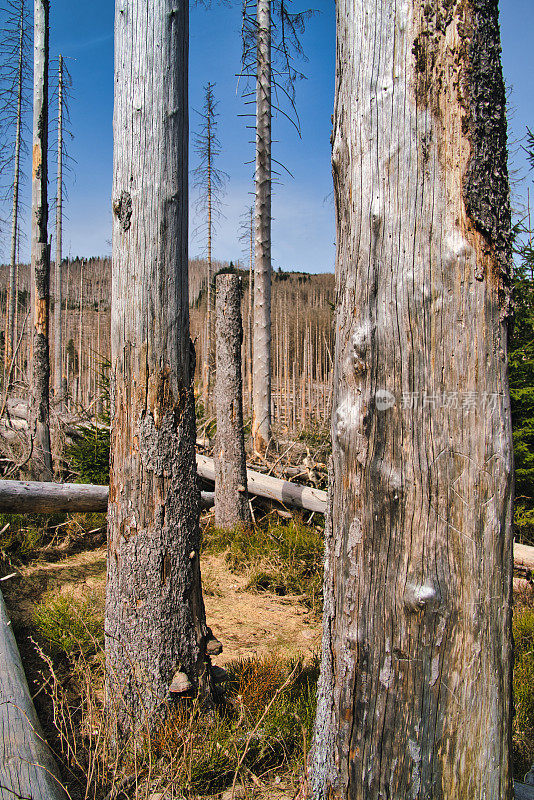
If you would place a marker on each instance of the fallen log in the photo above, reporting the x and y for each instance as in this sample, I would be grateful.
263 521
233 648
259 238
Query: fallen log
524 557
523 791
27 766
34 497
27 497
290 494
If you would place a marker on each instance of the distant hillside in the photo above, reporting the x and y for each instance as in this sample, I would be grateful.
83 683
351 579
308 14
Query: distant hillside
302 336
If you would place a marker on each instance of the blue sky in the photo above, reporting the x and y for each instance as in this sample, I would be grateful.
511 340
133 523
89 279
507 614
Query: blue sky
303 227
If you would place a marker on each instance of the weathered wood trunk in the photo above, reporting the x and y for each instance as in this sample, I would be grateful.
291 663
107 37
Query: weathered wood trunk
33 497
414 697
293 495
58 350
155 619
231 497
27 767
261 383
40 252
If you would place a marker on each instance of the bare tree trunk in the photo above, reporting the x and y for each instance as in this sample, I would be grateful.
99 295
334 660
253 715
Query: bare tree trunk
261 416
250 317
155 619
231 497
58 371
209 323
415 691
40 252
12 288
79 385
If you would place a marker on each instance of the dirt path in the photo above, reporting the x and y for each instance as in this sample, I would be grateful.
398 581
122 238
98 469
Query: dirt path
247 623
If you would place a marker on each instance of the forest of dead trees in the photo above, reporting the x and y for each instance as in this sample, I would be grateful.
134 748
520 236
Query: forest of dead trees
301 328
175 374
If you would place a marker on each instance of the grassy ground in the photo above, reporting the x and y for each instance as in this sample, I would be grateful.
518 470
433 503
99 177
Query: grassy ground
263 598
523 723
284 558
255 738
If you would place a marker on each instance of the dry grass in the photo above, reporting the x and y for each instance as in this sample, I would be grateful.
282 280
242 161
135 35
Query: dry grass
260 727
283 558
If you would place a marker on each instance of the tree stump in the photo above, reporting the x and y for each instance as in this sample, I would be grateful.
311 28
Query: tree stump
231 496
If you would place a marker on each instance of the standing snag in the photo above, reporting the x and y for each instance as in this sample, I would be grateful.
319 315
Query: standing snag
40 254
261 382
415 689
155 619
14 73
231 497
275 29
209 180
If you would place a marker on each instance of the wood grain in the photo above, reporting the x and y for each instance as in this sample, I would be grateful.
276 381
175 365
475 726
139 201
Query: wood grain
414 697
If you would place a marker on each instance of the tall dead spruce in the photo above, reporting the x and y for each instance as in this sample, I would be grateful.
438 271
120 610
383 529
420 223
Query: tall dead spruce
40 253
63 84
275 28
231 498
155 619
15 75
209 181
414 695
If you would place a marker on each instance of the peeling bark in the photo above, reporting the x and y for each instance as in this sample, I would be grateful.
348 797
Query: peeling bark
40 253
231 497
155 619
415 690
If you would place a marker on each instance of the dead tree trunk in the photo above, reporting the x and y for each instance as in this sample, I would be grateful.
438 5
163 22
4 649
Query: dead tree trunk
414 697
261 382
58 369
155 619
231 497
40 252
12 288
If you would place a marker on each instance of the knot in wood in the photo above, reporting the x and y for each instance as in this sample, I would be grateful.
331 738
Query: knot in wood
421 597
122 208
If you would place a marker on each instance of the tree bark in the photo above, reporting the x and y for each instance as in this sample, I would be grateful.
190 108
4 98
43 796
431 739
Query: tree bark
58 363
261 385
414 698
155 618
40 252
231 497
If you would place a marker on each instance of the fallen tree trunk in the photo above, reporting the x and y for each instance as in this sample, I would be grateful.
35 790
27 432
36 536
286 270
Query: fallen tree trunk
524 557
290 494
34 497
27 497
27 766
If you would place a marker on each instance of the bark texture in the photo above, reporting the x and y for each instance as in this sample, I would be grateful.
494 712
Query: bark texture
58 300
261 384
40 252
231 496
414 697
155 619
